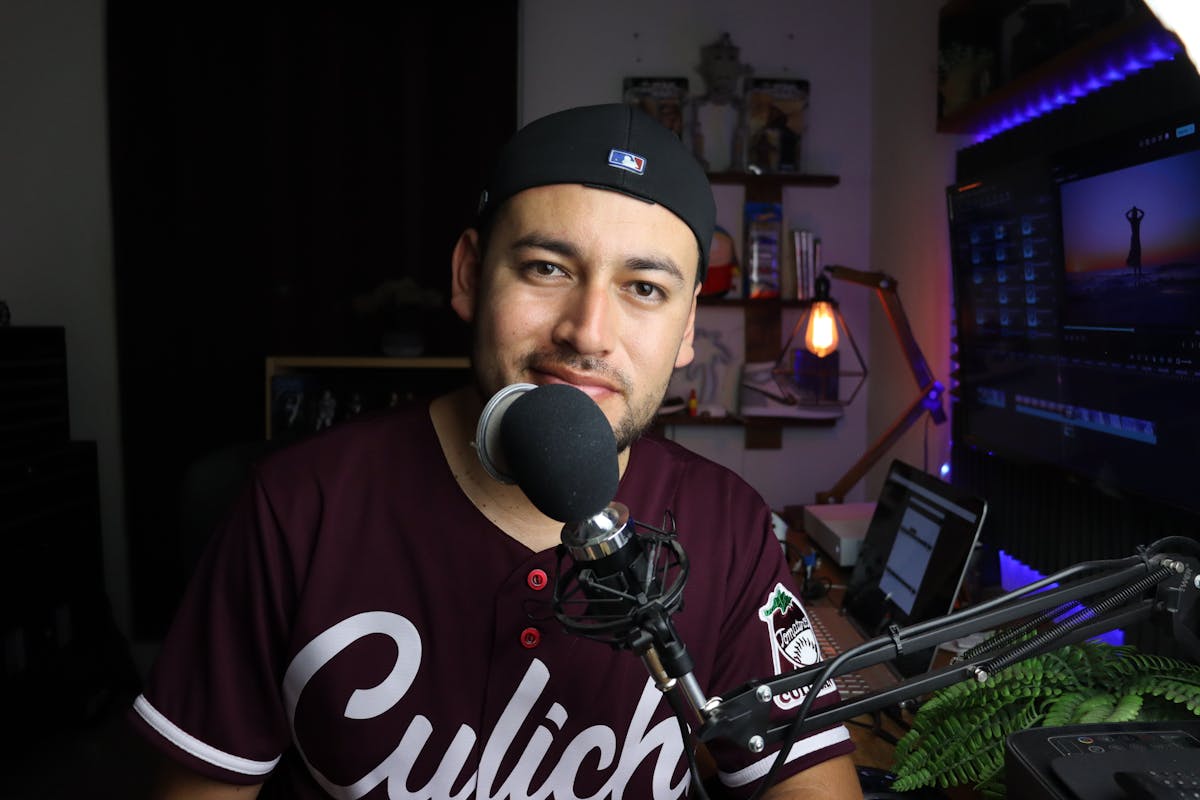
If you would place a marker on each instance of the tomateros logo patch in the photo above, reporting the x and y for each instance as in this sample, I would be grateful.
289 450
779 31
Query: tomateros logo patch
792 640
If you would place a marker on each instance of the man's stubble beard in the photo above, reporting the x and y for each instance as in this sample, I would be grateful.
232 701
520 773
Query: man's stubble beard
627 430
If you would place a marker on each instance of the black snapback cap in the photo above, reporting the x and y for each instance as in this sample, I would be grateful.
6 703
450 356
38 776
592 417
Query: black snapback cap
613 146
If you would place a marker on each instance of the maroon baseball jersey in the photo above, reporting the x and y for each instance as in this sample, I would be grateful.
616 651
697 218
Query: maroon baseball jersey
359 629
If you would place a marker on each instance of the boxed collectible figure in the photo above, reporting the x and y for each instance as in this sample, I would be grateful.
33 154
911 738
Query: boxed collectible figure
776 119
661 98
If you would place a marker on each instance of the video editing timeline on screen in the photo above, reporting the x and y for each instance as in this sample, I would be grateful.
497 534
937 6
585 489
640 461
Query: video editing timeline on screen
1077 281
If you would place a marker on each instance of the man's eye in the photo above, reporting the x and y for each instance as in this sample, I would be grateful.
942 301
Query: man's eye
643 289
543 268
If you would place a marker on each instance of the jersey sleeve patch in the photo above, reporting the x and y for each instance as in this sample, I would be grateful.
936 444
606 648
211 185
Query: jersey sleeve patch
791 639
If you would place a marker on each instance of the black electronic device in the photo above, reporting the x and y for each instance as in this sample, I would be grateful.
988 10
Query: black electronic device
1077 292
910 568
1102 761
33 389
914 557
1161 784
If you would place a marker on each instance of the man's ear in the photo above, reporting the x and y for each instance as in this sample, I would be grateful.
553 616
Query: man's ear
465 265
687 350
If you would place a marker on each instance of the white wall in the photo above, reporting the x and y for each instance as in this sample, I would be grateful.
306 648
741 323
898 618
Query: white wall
575 53
912 165
55 231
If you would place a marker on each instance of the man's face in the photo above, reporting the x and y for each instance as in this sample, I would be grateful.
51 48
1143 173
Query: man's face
583 286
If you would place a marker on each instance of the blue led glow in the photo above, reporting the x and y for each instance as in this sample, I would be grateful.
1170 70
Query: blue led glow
944 470
1158 47
1014 575
1156 54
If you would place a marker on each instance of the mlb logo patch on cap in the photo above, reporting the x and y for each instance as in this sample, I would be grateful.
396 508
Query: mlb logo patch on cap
627 161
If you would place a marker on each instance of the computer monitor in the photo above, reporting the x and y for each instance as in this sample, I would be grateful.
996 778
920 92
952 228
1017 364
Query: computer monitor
1077 291
915 555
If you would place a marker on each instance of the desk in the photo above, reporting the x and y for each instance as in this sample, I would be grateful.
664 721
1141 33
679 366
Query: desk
871 750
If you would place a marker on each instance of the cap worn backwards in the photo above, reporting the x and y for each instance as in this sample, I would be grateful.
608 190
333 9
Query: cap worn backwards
612 146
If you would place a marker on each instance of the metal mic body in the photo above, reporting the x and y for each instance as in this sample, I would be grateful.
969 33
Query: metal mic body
487 431
627 597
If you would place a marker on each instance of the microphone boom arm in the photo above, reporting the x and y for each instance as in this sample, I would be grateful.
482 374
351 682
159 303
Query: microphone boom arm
743 716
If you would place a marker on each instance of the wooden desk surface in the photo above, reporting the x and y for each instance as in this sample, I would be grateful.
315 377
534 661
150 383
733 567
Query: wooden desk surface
871 750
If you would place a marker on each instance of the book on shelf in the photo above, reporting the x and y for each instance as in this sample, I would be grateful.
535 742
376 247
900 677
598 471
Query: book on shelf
806 262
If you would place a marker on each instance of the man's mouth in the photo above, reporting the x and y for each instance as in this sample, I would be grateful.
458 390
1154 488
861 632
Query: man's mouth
592 385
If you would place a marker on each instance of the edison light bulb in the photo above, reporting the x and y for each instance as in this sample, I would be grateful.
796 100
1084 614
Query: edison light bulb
821 337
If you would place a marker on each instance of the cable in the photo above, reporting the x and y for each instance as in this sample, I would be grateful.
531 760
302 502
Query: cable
925 446
816 588
689 747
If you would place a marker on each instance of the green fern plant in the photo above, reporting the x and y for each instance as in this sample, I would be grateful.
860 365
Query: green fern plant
957 736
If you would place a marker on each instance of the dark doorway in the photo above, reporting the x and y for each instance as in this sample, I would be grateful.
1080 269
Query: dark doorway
269 167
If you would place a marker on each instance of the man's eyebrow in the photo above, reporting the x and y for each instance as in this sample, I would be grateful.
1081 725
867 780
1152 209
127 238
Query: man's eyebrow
657 264
540 242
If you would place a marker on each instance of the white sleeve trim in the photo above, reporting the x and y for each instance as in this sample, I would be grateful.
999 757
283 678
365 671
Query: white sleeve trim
803 747
190 744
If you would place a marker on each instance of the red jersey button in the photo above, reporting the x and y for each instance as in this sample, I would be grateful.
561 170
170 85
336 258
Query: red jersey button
536 579
530 638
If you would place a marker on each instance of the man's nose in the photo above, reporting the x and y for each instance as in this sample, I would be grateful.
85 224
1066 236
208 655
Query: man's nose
588 322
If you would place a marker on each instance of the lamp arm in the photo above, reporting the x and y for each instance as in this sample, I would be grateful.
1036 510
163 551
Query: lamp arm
885 287
837 493
930 396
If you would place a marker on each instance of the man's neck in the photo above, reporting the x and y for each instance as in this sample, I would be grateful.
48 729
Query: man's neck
455 417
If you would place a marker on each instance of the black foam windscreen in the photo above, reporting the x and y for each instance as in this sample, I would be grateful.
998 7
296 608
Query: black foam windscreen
562 452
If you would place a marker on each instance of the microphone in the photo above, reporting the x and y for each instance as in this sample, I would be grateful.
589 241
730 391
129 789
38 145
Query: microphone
555 443
620 585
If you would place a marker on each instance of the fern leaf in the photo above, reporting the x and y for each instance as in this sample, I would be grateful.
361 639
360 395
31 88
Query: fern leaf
1062 709
1095 708
1126 709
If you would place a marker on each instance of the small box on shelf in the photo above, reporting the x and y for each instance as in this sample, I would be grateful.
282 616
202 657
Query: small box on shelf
768 393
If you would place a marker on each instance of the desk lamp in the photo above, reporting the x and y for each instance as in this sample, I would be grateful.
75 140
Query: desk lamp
930 390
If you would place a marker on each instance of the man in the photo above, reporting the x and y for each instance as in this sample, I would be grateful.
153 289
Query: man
374 621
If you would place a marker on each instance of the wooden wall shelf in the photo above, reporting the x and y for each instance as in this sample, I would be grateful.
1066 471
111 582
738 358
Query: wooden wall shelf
733 420
741 302
759 433
1110 43
768 188
373 379
773 179
762 317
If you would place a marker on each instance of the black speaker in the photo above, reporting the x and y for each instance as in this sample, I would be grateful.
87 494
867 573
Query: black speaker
33 388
